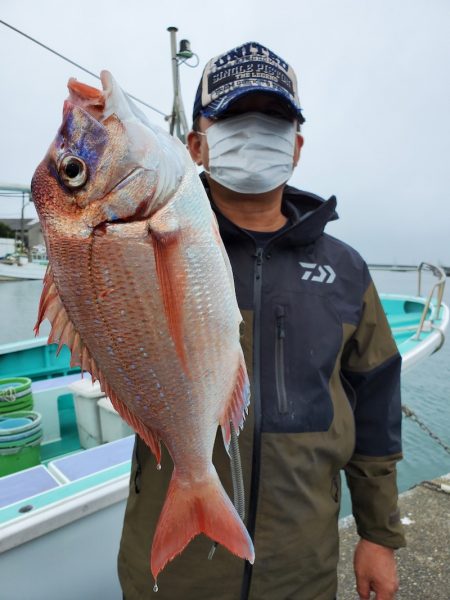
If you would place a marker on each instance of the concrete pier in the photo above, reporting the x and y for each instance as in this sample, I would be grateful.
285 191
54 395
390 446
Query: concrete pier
424 565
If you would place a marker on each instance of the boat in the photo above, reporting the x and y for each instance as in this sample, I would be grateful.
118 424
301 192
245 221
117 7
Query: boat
417 323
72 504
18 267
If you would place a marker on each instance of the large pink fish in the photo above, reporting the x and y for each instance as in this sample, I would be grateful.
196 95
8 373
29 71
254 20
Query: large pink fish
140 289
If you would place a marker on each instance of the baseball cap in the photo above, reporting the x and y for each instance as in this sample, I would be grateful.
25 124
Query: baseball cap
246 69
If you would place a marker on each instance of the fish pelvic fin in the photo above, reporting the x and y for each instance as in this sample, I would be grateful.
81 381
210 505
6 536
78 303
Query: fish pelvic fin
237 406
194 508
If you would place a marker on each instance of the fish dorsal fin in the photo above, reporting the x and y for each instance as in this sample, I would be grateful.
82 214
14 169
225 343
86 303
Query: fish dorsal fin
118 103
237 406
89 98
63 332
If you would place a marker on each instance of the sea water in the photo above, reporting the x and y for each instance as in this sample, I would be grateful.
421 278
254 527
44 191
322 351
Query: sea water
425 389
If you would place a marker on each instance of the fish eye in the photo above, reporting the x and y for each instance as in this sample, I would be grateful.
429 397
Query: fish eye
73 172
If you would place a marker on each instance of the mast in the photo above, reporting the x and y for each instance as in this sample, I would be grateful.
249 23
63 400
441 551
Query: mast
178 122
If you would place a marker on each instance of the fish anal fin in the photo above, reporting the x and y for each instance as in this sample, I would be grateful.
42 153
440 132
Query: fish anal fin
166 239
237 406
150 437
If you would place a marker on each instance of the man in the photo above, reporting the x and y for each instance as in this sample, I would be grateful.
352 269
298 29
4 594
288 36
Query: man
324 367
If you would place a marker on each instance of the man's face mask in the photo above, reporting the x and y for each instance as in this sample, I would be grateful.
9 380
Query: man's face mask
251 153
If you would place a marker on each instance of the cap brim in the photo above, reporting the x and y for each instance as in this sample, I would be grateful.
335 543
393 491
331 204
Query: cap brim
219 107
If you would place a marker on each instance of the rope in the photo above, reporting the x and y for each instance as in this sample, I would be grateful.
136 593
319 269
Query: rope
412 415
236 474
237 479
72 62
443 488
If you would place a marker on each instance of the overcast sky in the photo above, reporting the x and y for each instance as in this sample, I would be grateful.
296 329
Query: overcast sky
373 80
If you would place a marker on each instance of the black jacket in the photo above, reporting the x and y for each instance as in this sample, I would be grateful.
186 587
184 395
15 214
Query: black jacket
325 396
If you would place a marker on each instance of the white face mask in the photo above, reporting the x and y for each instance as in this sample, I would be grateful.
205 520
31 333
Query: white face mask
251 153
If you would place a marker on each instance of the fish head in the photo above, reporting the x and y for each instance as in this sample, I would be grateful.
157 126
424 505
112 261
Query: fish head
107 162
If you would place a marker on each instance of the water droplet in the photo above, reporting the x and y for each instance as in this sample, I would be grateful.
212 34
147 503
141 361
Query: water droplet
155 587
158 467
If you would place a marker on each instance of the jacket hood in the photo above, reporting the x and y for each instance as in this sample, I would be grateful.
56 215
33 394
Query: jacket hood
308 215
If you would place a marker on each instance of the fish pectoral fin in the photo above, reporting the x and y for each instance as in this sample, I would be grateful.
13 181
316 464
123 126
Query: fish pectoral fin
237 406
166 239
164 224
191 509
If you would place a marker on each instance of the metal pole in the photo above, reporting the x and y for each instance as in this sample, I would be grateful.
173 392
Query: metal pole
22 233
173 52
178 122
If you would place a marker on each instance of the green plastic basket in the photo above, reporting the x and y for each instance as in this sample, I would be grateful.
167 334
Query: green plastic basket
15 394
20 457
25 403
15 386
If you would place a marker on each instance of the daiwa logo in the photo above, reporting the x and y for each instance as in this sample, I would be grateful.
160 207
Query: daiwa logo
323 273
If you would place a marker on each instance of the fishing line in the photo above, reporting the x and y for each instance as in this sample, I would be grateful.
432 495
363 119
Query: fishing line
72 62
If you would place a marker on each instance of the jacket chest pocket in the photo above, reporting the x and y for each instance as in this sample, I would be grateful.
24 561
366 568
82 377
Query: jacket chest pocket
299 352
280 382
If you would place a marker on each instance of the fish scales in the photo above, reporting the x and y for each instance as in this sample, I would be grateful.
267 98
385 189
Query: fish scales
141 291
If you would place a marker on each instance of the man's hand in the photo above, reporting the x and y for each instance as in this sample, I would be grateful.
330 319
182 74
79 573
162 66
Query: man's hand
375 570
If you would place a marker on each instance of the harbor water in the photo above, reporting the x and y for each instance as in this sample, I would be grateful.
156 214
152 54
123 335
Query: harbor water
425 389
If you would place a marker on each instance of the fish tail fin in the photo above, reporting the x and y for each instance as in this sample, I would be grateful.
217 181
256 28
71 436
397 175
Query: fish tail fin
190 510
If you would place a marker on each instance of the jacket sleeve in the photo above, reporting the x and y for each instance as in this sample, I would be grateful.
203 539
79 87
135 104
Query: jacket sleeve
371 366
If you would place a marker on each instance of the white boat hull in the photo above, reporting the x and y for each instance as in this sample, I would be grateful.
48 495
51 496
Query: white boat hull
77 560
26 271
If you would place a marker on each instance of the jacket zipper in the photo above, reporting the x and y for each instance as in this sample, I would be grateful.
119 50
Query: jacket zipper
279 361
256 396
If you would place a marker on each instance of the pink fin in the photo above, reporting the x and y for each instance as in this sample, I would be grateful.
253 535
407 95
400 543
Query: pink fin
64 332
172 282
237 407
48 295
89 98
147 435
193 509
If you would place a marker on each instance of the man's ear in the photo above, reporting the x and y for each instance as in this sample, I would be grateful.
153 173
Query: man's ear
194 146
298 148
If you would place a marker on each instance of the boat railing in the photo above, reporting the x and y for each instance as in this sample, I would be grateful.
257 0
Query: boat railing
438 290
425 325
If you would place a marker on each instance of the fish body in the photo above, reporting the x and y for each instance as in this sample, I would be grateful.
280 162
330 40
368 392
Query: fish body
141 291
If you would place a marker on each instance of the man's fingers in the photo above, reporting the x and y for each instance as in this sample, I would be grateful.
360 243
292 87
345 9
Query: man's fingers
375 570
387 594
363 587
